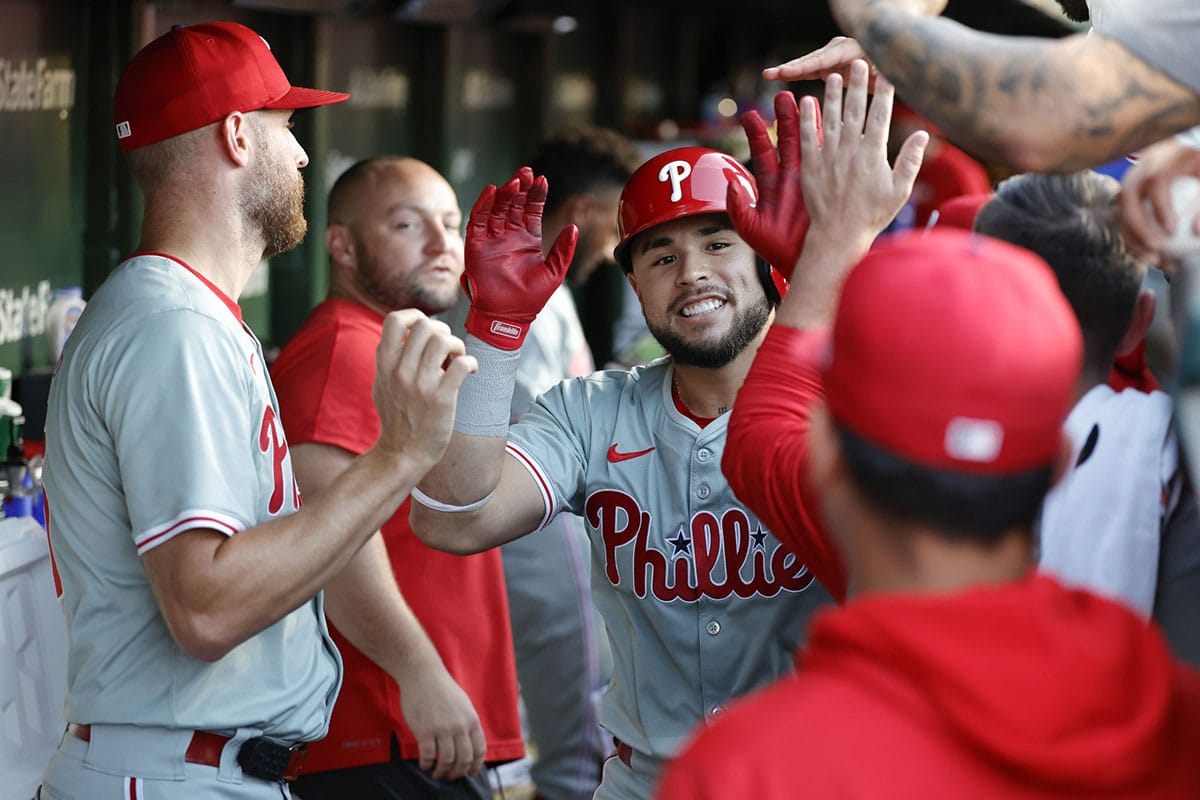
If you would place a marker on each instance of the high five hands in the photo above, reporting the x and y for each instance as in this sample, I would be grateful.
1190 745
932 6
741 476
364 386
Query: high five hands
775 225
850 188
846 184
850 191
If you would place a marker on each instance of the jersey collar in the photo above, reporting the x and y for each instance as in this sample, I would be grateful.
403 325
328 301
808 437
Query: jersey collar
229 302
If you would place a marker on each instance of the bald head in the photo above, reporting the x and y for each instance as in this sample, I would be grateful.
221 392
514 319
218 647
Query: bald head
394 236
366 178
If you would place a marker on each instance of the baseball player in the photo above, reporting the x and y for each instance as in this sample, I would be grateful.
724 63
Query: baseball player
199 662
701 602
1122 522
563 658
430 688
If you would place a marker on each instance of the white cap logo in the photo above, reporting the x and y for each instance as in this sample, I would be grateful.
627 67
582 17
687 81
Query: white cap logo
123 131
976 440
675 172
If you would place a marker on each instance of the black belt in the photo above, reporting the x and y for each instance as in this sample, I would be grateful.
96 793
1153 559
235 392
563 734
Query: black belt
260 757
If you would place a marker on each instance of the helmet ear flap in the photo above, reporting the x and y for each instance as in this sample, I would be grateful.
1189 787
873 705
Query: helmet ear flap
774 284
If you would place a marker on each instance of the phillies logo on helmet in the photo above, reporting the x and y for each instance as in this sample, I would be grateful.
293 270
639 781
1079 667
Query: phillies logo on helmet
698 178
675 172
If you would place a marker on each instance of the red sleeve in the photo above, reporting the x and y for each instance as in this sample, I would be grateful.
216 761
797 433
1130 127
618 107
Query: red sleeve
321 379
766 453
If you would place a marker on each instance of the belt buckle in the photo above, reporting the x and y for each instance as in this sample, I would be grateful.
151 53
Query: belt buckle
270 759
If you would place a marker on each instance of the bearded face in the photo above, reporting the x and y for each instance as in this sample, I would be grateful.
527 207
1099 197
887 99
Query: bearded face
714 352
273 201
430 285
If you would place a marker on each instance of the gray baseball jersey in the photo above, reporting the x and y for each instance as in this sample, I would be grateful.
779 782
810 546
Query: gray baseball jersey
162 419
702 604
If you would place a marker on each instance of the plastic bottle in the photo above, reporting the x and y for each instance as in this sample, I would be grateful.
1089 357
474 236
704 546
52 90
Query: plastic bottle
64 312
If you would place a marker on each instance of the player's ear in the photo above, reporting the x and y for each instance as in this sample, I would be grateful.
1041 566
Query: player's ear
1139 323
234 133
340 243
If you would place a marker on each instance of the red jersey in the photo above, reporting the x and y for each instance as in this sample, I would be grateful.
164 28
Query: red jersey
323 380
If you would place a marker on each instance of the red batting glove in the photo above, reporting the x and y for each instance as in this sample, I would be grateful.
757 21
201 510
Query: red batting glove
506 279
775 227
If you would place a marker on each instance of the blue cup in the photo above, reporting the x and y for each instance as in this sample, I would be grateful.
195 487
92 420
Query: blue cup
18 506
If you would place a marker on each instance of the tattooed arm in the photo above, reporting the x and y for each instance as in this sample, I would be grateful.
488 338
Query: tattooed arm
1034 104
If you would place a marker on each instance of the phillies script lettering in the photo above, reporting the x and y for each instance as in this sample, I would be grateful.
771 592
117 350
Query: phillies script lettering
711 540
271 440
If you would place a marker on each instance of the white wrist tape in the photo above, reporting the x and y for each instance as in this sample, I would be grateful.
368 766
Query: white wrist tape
486 396
438 505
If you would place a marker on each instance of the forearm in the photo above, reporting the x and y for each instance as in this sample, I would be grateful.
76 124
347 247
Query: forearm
471 466
217 591
1034 104
766 453
367 607
475 478
830 251
476 468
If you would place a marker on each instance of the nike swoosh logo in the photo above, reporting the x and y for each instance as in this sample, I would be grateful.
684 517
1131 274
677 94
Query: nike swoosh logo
615 457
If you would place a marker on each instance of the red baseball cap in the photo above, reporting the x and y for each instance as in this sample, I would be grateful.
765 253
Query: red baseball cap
195 75
956 351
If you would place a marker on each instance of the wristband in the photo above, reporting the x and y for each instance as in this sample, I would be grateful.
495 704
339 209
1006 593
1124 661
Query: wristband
504 334
485 400
438 505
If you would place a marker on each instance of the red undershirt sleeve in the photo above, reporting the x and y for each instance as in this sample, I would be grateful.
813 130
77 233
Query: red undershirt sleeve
766 453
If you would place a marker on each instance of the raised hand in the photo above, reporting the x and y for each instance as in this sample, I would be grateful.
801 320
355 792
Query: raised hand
832 59
850 189
419 367
775 226
506 278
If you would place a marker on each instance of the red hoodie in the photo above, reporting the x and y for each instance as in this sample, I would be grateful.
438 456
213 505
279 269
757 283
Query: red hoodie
1029 690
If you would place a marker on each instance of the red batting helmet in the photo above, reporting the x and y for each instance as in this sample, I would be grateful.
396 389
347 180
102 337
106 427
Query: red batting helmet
683 182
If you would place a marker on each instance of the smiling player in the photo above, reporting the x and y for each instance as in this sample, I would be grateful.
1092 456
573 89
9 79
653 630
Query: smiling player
701 602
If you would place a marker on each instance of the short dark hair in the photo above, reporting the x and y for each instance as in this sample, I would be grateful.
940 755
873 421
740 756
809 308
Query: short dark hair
961 506
583 160
1070 222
